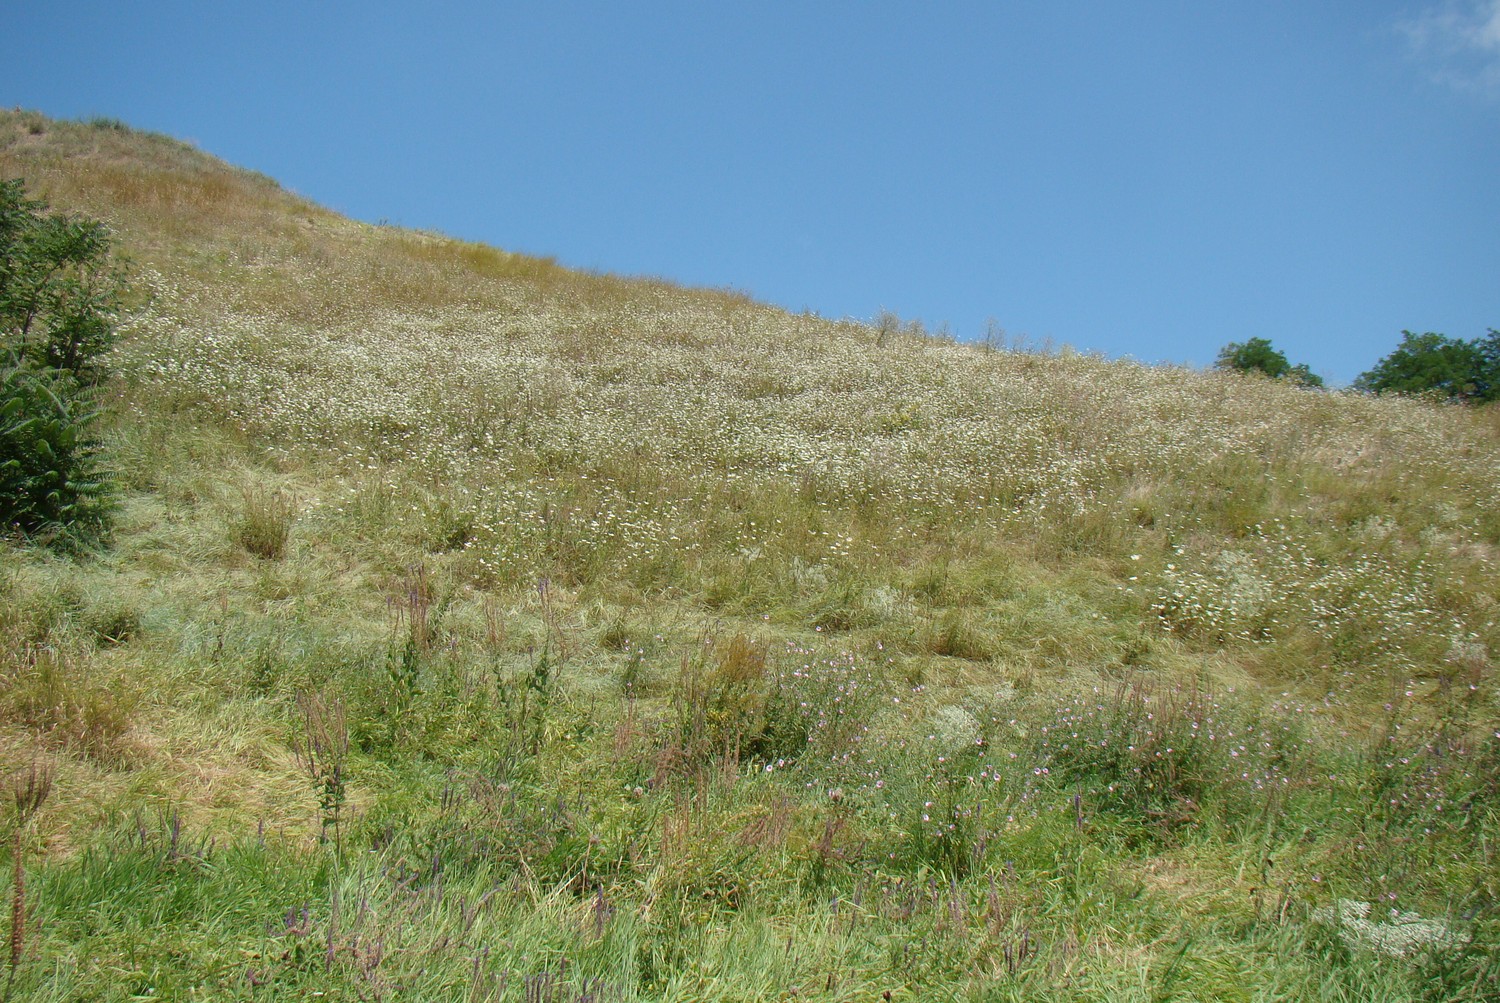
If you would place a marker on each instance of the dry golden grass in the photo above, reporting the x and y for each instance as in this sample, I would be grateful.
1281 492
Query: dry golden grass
524 420
625 543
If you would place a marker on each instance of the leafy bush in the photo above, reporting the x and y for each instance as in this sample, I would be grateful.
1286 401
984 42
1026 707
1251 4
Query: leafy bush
42 452
58 301
1257 356
1436 363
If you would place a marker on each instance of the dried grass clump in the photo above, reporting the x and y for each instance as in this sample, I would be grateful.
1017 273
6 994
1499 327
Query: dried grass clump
60 698
265 523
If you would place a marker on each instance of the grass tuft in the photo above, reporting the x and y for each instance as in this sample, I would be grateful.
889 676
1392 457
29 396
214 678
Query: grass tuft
265 523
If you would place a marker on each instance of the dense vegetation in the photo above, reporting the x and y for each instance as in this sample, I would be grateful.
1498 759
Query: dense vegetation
1439 365
1258 355
57 309
478 629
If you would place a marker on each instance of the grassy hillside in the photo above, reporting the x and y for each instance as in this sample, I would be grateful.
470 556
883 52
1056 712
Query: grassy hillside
475 628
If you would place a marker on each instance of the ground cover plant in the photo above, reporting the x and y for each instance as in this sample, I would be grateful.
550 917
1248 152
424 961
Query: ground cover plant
473 628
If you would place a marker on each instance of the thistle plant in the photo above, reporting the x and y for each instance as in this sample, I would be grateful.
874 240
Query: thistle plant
323 752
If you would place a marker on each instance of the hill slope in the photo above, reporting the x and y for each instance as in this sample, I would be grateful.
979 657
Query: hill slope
645 620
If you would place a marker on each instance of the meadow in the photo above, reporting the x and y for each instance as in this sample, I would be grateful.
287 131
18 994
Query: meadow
474 628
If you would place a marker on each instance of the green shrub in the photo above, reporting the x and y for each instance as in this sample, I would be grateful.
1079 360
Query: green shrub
1258 356
57 309
51 477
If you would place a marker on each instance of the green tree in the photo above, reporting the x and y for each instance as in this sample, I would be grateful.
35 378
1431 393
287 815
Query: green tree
1258 356
1489 366
58 305
1434 363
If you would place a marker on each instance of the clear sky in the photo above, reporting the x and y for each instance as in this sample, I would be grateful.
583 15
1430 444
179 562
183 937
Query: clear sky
1150 178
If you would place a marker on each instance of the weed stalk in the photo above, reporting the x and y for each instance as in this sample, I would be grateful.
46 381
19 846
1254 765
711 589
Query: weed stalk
30 793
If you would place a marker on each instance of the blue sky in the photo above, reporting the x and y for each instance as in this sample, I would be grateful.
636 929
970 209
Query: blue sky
1151 179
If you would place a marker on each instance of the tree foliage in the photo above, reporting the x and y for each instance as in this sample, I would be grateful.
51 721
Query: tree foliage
1435 363
1489 365
58 305
1258 356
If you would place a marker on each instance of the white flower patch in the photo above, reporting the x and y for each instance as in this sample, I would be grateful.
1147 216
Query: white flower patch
1403 934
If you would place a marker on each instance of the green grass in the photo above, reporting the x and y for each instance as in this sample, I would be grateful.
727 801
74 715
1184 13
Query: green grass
688 649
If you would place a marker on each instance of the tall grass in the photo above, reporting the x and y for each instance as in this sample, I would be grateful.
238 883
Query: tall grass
632 642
